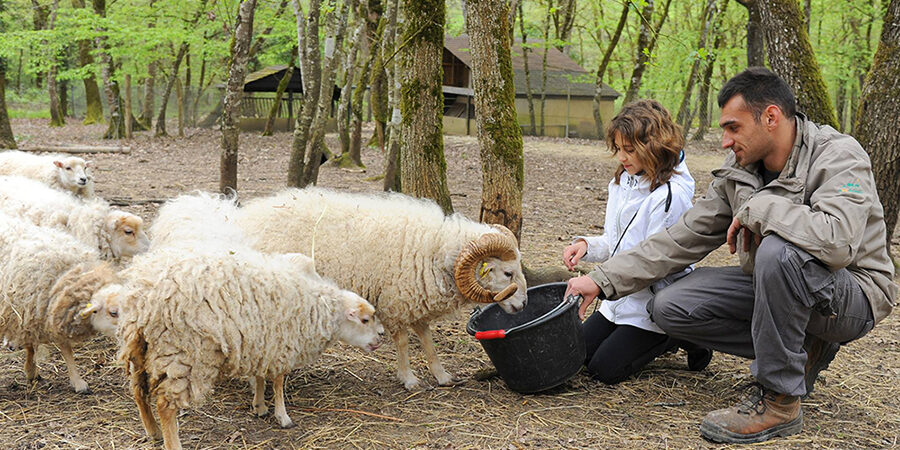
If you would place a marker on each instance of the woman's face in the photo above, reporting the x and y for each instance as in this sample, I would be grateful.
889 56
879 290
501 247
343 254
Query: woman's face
627 156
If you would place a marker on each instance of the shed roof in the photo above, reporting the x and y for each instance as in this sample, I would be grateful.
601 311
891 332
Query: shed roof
564 76
267 79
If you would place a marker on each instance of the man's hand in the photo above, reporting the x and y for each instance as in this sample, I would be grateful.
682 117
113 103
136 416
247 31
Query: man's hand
586 288
731 237
573 253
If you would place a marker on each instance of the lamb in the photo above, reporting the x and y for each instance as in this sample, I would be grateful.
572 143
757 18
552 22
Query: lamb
66 173
47 280
401 253
116 234
192 314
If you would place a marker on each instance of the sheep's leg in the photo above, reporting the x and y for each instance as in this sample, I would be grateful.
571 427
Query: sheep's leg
75 379
258 384
142 400
409 380
280 412
168 418
30 367
423 330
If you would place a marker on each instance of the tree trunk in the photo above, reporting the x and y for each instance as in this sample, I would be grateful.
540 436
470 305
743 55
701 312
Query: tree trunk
791 57
646 43
39 16
149 104
879 116
563 22
372 14
116 129
279 94
93 106
186 99
378 88
179 98
128 123
756 50
529 96
57 118
392 176
703 98
544 67
604 63
423 169
499 135
840 103
7 139
347 90
683 117
200 89
234 91
308 47
173 79
336 25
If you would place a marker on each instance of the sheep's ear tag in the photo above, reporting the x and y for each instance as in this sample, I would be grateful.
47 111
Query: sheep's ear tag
88 309
58 164
485 269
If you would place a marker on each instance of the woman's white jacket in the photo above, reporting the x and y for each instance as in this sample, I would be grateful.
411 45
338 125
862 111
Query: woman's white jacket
631 201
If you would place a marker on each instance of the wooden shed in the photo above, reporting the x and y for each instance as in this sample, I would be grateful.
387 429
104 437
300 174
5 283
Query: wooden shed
260 88
569 92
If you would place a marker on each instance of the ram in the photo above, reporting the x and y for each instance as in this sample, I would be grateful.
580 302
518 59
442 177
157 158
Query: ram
401 253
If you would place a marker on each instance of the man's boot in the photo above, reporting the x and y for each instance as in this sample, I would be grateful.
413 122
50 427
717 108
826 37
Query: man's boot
761 415
819 354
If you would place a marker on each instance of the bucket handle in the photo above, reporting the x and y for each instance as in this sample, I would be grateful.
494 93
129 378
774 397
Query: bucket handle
500 334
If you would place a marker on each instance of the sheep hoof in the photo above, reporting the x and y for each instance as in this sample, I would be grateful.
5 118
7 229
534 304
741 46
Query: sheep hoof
412 385
262 412
453 381
287 423
85 391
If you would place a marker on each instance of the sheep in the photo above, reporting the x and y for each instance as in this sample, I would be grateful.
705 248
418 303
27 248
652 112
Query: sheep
198 217
47 279
402 254
66 173
116 234
192 314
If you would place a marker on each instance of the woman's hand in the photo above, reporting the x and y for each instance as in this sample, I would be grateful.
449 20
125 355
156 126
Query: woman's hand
586 288
573 253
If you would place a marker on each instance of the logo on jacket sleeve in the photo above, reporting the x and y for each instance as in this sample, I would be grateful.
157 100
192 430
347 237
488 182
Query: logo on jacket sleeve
853 187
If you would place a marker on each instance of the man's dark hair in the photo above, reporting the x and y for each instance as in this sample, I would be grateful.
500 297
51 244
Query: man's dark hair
760 88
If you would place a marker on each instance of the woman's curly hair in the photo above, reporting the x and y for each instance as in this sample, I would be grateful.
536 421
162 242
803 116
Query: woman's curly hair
656 139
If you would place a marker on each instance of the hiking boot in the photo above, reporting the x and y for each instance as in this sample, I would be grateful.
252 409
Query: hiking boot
761 415
819 354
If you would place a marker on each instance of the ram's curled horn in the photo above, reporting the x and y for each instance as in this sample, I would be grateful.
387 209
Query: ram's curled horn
498 245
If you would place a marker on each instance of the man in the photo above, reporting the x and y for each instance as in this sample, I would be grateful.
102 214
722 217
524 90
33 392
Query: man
798 202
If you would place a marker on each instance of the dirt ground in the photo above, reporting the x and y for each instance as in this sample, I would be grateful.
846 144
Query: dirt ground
352 400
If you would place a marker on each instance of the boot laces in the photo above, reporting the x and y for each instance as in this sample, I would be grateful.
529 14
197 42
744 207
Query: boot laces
753 399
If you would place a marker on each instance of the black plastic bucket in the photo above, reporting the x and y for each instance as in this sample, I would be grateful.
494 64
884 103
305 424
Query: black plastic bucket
540 347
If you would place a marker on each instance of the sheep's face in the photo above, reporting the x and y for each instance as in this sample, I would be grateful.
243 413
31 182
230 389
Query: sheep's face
126 233
359 327
73 172
495 275
104 309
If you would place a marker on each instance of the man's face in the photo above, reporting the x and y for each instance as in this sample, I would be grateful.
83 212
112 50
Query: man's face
746 136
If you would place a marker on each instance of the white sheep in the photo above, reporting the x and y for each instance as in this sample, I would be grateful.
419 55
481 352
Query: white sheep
402 254
193 314
47 279
66 173
196 217
116 234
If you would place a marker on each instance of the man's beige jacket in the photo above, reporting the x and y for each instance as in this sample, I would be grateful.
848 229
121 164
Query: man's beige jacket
824 202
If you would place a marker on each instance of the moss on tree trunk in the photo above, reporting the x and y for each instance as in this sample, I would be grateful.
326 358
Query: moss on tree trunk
423 167
499 135
878 120
791 57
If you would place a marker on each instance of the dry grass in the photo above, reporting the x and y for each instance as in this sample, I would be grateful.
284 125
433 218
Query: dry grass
349 399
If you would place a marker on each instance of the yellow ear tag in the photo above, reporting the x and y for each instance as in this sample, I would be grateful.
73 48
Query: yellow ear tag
86 311
485 269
